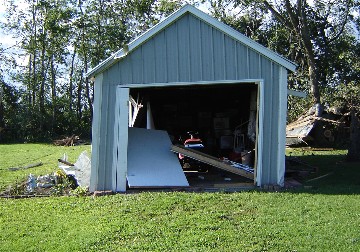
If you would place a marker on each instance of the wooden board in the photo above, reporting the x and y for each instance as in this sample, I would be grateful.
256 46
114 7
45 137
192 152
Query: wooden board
151 164
213 161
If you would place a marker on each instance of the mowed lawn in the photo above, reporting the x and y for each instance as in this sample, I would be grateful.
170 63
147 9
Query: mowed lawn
325 217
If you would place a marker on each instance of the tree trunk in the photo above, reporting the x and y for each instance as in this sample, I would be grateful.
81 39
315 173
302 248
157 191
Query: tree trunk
87 87
1 111
304 33
354 148
34 48
79 94
71 79
296 21
53 95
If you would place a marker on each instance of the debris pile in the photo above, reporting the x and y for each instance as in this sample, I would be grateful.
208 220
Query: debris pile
65 181
319 127
57 183
80 170
69 141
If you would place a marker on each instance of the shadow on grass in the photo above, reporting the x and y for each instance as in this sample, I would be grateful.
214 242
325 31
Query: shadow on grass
333 175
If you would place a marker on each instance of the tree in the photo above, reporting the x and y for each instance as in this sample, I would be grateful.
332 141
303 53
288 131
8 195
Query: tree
62 39
311 27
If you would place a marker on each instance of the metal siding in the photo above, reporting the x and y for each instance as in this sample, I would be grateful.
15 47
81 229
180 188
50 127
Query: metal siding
254 64
282 121
125 68
103 137
121 126
184 49
109 139
267 127
195 49
191 50
219 55
172 53
112 75
207 52
230 58
275 123
242 61
275 137
136 60
96 126
160 58
148 50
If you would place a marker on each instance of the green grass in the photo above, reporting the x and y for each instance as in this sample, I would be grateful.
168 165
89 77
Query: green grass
335 175
20 155
317 219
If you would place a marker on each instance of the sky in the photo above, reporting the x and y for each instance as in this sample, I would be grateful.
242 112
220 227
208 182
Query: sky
8 40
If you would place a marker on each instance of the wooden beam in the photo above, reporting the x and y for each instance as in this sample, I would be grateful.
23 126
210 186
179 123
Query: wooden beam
213 161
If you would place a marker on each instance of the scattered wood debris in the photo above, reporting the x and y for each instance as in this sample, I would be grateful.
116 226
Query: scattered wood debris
65 162
68 141
26 167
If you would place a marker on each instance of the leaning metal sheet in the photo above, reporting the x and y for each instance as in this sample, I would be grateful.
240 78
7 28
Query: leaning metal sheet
150 161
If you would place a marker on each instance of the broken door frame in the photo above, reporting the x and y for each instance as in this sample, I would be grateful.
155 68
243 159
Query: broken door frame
119 166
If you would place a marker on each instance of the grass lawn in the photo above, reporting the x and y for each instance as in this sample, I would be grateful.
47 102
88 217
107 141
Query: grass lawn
323 218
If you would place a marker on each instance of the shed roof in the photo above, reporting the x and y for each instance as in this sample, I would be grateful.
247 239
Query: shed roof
205 18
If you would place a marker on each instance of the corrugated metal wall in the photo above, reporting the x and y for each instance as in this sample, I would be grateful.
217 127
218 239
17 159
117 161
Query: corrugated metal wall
190 50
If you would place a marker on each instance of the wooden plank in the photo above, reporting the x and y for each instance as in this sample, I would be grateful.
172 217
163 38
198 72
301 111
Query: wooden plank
213 161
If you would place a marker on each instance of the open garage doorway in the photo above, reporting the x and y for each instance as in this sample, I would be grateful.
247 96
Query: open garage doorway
223 116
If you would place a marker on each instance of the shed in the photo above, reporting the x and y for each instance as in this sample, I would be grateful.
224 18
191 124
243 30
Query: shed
198 74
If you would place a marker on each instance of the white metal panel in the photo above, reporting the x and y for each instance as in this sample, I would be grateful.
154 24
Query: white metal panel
96 125
260 134
282 126
120 150
150 161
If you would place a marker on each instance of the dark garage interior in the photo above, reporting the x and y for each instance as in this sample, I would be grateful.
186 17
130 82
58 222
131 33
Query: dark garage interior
218 115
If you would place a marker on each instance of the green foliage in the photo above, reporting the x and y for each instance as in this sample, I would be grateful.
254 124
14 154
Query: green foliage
62 40
80 191
343 96
297 106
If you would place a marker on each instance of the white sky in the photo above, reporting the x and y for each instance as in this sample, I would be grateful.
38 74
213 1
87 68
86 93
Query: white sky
8 40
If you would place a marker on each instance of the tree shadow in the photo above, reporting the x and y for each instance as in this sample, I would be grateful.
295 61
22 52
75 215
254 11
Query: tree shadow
325 174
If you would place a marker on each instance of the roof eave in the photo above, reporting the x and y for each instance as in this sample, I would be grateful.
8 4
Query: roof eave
206 18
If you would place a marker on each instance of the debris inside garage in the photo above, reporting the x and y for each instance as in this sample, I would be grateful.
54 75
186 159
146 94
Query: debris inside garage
224 120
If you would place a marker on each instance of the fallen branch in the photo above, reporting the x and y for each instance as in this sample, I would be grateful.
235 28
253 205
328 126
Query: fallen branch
65 162
26 167
323 176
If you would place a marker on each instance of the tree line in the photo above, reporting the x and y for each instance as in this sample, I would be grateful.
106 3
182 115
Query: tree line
48 94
